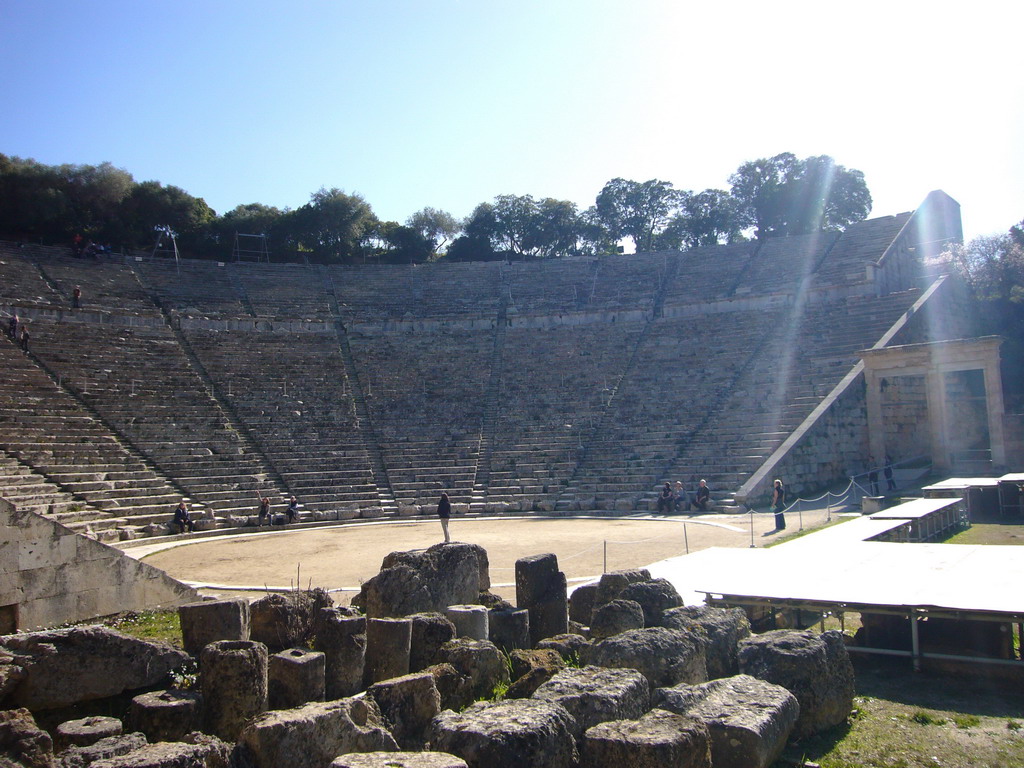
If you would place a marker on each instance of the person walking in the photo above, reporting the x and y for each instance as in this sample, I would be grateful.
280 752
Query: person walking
779 504
444 512
24 338
12 327
76 297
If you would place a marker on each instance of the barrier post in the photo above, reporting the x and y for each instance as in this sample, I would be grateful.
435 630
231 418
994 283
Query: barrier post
686 539
751 528
604 568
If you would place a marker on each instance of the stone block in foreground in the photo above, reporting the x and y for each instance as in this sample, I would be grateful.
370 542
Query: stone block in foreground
595 695
311 736
749 719
656 740
508 734
814 668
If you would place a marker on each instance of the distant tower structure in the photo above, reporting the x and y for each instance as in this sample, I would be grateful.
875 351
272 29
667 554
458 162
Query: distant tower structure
251 248
166 245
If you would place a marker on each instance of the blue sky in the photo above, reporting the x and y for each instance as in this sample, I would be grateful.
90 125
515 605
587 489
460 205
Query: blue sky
447 103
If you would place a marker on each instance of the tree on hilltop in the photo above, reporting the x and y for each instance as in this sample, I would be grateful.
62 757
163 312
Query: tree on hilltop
783 195
333 225
151 204
437 226
637 210
38 200
706 218
519 227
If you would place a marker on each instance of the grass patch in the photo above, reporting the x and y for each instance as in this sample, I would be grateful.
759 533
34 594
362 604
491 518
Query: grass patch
149 625
989 533
927 718
966 721
919 720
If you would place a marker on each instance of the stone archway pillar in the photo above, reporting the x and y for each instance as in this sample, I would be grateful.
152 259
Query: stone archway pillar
934 360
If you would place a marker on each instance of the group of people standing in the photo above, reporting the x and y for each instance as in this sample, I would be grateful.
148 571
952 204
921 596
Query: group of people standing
674 499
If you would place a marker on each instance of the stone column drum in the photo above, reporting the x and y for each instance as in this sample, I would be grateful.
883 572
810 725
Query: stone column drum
233 680
541 590
342 639
164 715
388 642
509 629
295 676
469 620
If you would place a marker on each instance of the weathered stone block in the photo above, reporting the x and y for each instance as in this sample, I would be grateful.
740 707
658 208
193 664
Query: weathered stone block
665 656
507 734
477 660
165 715
86 731
814 668
60 667
206 622
724 628
408 704
749 720
388 642
654 596
656 740
342 640
469 620
616 617
295 676
430 631
594 695
233 680
313 735
581 603
509 629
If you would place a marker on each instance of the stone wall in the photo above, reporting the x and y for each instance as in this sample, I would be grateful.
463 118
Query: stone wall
832 443
50 575
934 226
834 446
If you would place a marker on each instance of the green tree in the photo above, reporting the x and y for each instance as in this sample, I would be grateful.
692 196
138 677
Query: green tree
392 243
151 204
637 210
333 225
993 269
783 195
437 226
43 201
706 218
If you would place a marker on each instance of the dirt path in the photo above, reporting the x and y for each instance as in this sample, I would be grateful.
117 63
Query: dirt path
340 558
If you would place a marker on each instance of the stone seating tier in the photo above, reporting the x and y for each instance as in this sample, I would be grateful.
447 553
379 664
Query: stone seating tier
602 408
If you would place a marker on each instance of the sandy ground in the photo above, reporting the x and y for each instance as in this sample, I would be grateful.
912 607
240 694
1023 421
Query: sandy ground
339 558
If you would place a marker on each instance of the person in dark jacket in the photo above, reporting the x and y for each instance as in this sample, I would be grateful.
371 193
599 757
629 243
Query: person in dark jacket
665 499
293 509
264 511
779 504
444 512
182 519
703 497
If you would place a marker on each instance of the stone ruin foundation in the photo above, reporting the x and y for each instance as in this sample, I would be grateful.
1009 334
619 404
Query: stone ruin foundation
634 679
